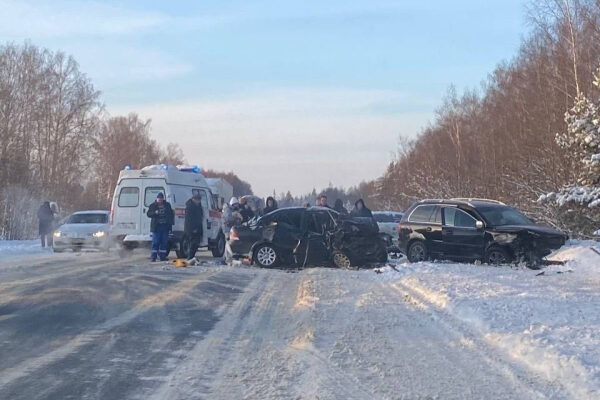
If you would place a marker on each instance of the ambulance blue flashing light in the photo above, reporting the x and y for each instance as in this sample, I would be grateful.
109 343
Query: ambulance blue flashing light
196 169
165 167
127 167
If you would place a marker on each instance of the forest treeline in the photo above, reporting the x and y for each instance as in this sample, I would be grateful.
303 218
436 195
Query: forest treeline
498 141
58 143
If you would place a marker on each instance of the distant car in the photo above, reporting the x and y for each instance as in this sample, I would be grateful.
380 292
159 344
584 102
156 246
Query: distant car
474 229
316 236
388 223
89 229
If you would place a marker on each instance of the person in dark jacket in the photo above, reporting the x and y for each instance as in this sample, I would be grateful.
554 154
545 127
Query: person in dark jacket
163 219
46 223
322 202
194 216
245 210
360 210
339 207
271 205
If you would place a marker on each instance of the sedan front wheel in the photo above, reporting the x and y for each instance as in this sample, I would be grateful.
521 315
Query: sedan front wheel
266 256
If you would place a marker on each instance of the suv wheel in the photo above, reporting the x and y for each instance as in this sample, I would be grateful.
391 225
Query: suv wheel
266 256
496 255
417 252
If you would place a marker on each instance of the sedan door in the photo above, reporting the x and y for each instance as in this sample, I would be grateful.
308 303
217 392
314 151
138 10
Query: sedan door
313 250
460 236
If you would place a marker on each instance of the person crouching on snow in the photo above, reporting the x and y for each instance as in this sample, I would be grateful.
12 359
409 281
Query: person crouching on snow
162 222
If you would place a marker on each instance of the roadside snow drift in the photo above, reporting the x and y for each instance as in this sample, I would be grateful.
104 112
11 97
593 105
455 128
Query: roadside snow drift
547 321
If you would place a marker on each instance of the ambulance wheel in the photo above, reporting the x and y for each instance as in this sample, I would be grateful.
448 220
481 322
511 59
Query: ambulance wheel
184 248
219 248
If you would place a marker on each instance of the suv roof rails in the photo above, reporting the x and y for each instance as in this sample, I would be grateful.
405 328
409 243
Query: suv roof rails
470 199
467 200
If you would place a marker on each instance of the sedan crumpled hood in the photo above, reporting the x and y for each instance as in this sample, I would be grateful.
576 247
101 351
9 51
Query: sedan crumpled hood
83 229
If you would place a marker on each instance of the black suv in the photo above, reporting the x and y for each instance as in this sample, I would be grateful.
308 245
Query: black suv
474 229
315 236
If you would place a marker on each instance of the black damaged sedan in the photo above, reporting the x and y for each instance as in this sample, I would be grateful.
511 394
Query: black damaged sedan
474 229
315 236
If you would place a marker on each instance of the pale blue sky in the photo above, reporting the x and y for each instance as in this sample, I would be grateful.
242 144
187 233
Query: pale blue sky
288 94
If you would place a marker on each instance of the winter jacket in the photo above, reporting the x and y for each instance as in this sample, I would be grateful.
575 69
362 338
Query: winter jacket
363 212
164 219
194 216
271 208
231 216
247 213
46 218
339 207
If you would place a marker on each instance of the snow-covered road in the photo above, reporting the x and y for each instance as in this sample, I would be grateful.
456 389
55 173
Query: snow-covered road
93 326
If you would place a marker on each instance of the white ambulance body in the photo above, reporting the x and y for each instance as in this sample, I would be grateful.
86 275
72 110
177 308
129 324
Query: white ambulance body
137 189
221 189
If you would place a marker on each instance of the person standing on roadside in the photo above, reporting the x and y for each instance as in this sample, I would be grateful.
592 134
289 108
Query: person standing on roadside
163 219
360 210
339 207
323 201
45 223
194 217
245 210
271 205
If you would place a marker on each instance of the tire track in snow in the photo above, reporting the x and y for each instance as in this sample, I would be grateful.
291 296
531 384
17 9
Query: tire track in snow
170 294
74 268
434 304
193 378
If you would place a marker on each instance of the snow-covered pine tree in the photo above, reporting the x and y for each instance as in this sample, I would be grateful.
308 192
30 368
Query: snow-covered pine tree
581 199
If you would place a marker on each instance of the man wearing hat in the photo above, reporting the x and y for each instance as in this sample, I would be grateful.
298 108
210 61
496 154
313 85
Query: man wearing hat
194 217
163 219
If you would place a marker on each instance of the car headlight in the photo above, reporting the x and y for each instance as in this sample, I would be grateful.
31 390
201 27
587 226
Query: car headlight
57 234
99 234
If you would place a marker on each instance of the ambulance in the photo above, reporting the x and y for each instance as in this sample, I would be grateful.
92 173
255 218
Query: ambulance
137 188
221 189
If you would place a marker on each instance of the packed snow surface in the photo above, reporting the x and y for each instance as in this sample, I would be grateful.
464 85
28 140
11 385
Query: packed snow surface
404 331
11 248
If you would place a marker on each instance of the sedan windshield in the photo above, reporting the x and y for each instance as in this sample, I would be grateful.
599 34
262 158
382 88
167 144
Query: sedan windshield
88 219
499 216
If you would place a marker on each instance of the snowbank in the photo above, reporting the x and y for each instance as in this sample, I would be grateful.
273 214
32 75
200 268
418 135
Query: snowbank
546 321
11 248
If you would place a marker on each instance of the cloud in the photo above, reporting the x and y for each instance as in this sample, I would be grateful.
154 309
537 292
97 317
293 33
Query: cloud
111 64
284 139
37 19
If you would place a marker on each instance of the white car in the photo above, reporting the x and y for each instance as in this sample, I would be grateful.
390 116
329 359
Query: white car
89 229
388 223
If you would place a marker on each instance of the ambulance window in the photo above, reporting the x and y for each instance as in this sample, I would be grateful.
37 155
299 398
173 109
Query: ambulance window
204 198
129 197
151 193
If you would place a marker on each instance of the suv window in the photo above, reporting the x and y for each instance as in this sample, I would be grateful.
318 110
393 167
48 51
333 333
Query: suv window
426 213
458 218
129 197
